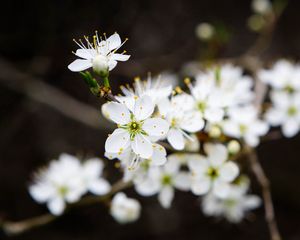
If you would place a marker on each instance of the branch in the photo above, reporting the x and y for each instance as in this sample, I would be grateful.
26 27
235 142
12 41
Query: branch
37 90
17 228
266 193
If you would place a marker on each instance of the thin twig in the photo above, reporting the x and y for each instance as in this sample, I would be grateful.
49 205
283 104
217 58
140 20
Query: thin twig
17 228
266 193
37 90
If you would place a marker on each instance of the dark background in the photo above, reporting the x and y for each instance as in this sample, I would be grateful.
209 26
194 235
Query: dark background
36 39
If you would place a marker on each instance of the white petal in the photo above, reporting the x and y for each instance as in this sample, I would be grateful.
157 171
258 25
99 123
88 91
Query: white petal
198 164
175 138
182 181
112 64
229 171
114 41
118 141
274 116
217 153
99 186
231 128
290 128
214 114
41 192
166 196
221 189
159 155
79 65
56 206
117 112
147 187
251 202
201 186
251 139
86 53
120 57
156 127
92 168
192 121
142 146
143 108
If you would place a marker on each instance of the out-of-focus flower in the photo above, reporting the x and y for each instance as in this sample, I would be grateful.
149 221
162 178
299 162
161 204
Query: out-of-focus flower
285 112
192 143
131 160
157 89
233 207
163 180
282 76
243 123
256 22
205 31
91 176
100 54
124 209
261 6
212 173
182 117
135 128
66 180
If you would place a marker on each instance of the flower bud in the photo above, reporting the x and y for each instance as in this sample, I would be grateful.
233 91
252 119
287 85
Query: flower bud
215 132
233 147
205 31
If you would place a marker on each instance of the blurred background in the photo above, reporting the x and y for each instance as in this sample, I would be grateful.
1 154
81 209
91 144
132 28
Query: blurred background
46 109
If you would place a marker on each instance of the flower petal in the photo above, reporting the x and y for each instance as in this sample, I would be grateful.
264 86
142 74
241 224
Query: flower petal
86 53
143 108
290 128
175 138
182 181
99 186
221 189
156 127
201 186
112 64
192 121
166 196
120 57
159 155
56 206
142 146
229 171
114 41
118 141
117 112
79 65
217 153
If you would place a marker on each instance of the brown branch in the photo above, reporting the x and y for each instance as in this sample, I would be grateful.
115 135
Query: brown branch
37 90
17 228
266 193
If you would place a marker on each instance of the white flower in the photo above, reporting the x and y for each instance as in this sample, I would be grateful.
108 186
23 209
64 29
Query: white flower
282 76
233 207
163 180
243 123
182 118
99 54
135 128
131 160
66 180
212 172
205 31
285 112
58 184
157 89
261 6
124 209
91 176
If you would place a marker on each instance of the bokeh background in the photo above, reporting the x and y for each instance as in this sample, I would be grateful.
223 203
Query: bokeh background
35 48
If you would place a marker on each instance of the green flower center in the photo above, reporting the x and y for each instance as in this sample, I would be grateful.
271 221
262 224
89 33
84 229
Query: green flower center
62 190
243 128
166 180
213 173
289 89
201 106
292 111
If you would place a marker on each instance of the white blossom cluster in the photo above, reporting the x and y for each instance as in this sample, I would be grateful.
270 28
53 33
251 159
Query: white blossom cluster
66 180
284 81
203 129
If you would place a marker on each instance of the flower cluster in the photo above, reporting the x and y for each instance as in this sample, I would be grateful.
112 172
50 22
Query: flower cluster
284 81
66 180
